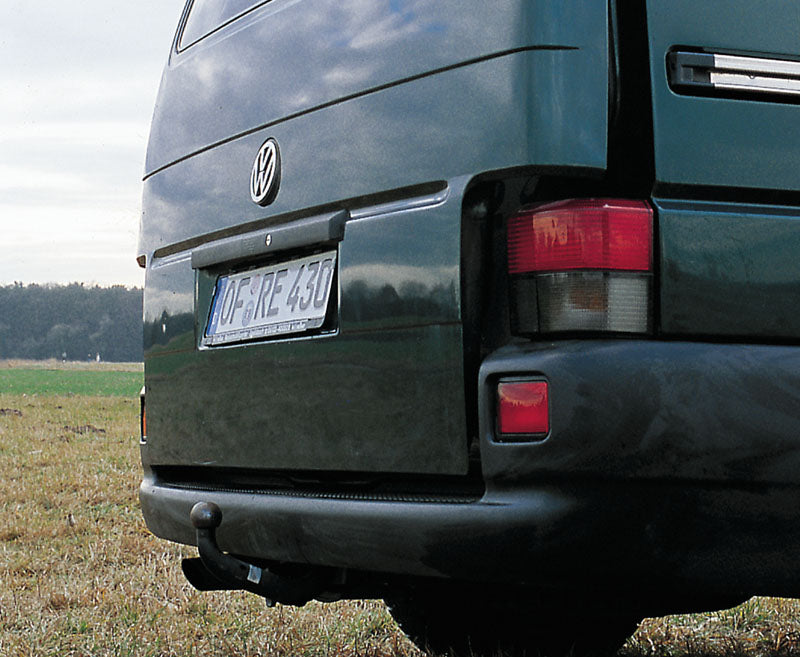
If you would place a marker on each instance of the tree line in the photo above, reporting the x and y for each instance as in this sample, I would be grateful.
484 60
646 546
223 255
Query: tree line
71 322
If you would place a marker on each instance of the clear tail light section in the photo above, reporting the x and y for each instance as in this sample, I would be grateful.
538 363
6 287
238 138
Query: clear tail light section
582 265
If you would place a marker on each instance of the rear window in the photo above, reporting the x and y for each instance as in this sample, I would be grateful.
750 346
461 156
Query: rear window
205 16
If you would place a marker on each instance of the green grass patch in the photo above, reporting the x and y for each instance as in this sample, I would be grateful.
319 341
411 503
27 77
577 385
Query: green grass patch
100 383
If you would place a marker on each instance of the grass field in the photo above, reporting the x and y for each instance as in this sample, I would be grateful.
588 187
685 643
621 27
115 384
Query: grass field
70 382
80 574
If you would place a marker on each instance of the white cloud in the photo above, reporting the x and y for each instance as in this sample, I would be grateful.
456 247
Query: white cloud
72 244
22 180
78 85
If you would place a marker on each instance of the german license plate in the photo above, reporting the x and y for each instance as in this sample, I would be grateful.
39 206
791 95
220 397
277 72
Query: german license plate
283 299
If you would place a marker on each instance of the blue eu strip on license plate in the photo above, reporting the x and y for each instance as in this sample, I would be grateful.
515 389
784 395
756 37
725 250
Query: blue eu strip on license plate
281 299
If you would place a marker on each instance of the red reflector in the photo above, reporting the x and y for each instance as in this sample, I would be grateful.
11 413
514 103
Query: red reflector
142 416
581 234
522 407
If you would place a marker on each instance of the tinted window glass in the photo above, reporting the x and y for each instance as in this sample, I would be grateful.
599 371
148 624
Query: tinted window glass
206 16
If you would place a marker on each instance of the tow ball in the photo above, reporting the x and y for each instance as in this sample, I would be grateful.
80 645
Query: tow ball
215 570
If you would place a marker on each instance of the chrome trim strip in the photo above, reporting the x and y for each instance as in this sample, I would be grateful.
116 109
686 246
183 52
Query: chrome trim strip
757 66
749 75
404 205
754 84
755 75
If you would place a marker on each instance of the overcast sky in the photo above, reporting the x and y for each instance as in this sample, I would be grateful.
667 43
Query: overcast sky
78 80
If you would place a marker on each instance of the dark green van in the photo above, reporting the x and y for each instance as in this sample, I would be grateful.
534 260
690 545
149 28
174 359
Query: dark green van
488 309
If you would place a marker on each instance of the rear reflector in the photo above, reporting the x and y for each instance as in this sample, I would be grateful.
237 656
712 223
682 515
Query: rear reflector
581 265
522 408
581 234
142 416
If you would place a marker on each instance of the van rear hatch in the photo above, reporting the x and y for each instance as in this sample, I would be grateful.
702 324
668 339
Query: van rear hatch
383 114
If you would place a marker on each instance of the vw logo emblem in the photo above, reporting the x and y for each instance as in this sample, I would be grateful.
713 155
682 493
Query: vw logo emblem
265 177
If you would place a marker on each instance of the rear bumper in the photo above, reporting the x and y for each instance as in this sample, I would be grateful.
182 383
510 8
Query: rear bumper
674 461
723 414
682 538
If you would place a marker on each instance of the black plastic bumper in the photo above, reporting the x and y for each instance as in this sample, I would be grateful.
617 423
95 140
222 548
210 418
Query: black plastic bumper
669 411
678 462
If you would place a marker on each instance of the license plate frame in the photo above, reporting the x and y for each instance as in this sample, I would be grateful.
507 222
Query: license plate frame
285 299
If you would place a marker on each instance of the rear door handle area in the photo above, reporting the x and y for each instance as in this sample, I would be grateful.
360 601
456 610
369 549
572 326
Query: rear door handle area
320 229
754 78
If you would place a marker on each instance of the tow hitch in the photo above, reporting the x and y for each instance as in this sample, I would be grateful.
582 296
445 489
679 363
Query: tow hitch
218 571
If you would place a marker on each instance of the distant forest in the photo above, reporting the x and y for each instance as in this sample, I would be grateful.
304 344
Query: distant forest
72 322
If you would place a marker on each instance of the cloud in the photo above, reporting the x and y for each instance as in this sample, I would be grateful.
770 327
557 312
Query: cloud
78 84
73 244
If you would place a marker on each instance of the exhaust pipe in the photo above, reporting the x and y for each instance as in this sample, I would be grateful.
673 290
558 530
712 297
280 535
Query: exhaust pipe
218 571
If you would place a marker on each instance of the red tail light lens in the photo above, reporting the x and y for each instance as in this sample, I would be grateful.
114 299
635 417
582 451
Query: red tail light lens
581 234
581 265
522 408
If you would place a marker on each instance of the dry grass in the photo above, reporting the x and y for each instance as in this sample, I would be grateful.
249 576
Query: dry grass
80 574
761 627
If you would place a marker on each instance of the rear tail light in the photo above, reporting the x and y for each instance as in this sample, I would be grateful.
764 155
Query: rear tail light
581 265
522 409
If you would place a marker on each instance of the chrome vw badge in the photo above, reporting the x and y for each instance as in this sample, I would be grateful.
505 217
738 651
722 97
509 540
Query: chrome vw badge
265 177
